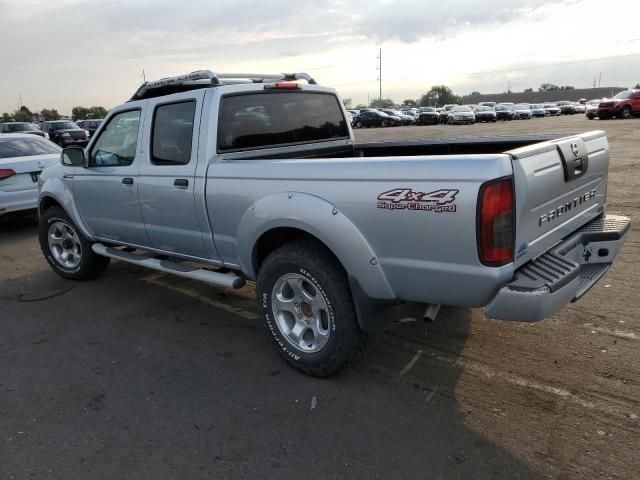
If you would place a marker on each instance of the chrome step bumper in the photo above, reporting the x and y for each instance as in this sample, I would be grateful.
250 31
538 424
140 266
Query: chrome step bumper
562 275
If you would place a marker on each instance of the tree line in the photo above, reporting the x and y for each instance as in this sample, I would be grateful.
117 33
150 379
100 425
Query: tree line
440 95
23 114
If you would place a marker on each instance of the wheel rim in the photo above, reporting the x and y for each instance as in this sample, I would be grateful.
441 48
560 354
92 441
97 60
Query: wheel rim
626 112
64 245
359 124
301 313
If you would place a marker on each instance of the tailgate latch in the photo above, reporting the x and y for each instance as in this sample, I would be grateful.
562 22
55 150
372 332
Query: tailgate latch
575 157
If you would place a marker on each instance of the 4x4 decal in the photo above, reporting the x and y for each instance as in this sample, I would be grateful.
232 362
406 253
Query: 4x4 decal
438 201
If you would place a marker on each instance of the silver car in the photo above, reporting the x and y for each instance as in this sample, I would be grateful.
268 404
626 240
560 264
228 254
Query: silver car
22 158
461 115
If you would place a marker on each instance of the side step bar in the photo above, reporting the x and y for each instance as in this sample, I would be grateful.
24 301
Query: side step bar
169 266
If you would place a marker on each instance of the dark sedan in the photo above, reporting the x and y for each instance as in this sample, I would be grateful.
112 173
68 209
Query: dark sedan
374 119
427 116
504 112
21 127
485 114
566 107
65 133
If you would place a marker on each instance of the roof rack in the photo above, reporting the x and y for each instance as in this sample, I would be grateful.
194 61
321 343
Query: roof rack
207 79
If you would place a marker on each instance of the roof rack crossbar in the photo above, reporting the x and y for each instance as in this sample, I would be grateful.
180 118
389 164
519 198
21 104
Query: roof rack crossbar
214 79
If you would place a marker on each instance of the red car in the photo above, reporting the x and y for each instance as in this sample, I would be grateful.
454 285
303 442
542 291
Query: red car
623 105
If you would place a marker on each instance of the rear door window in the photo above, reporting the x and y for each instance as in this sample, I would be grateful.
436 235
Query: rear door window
262 120
172 133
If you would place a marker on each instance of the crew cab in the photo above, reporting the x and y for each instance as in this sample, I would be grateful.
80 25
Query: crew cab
226 178
623 105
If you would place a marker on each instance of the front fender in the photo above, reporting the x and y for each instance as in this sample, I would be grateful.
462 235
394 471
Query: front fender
57 189
324 221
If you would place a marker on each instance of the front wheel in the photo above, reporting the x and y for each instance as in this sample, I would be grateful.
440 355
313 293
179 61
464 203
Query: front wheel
66 250
626 112
358 124
308 310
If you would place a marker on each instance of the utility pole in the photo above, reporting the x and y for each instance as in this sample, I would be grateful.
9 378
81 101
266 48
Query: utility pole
20 97
600 80
144 77
380 71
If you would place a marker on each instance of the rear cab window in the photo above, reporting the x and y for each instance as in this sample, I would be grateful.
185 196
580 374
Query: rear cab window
12 147
250 121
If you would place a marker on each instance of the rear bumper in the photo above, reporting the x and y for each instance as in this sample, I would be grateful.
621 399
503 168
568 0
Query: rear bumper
561 275
18 201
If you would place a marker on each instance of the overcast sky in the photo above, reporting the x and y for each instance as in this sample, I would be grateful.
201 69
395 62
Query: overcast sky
62 53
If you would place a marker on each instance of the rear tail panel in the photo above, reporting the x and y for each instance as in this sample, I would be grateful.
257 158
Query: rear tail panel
560 185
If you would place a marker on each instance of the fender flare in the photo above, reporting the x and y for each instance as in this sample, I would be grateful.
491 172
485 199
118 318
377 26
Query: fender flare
324 221
55 189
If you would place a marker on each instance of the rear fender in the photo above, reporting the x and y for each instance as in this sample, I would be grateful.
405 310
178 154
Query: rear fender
325 222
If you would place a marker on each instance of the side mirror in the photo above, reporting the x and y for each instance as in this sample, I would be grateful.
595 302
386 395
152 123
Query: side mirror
73 156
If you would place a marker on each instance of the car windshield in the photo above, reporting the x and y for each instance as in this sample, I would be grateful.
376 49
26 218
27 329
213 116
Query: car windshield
503 107
11 147
483 109
18 127
623 95
549 105
522 106
537 105
461 109
64 126
427 109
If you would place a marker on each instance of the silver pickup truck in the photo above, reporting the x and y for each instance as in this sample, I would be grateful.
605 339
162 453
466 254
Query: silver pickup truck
232 177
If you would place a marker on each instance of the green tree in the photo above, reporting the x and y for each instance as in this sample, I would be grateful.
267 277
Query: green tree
637 85
438 96
6 117
80 113
23 115
384 103
409 103
50 114
567 87
528 90
475 93
347 102
360 106
548 87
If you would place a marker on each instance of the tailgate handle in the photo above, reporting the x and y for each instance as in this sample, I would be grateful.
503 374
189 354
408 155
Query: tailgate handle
575 157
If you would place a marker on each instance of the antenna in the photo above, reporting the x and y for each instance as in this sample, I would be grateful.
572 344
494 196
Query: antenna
144 77
379 68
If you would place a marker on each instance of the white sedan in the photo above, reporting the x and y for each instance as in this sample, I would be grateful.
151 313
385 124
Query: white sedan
22 158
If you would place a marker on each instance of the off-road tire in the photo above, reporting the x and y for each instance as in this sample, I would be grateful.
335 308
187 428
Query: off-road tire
91 264
322 270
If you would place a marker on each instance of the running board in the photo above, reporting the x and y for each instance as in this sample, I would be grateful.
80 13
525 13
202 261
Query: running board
170 266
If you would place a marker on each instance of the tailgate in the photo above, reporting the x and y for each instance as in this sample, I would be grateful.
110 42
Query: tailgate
559 185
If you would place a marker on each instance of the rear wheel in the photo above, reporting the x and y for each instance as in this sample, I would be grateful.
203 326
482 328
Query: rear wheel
384 123
358 124
308 310
626 111
66 250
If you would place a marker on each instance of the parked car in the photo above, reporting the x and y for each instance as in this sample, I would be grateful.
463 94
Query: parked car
428 116
537 110
592 109
460 115
579 107
552 108
90 125
504 112
485 114
371 118
401 117
444 113
335 241
22 127
566 107
22 159
65 133
623 105
522 111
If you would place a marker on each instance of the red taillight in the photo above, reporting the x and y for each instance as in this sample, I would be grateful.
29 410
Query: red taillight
283 86
496 222
6 173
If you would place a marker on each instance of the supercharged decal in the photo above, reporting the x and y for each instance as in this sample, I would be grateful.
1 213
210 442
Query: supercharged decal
438 201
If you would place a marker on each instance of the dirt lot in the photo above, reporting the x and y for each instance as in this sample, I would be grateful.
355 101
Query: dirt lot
142 375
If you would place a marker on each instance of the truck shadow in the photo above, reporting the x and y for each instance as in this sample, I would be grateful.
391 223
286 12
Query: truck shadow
172 383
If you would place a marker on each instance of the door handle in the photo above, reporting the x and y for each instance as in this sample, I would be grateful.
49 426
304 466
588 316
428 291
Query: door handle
127 181
181 183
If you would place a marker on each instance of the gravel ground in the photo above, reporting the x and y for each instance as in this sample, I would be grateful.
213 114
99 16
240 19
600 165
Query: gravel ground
144 375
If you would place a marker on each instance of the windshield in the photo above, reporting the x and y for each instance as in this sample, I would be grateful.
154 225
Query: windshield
427 109
503 107
549 105
64 126
18 127
522 106
483 109
461 109
537 105
623 95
